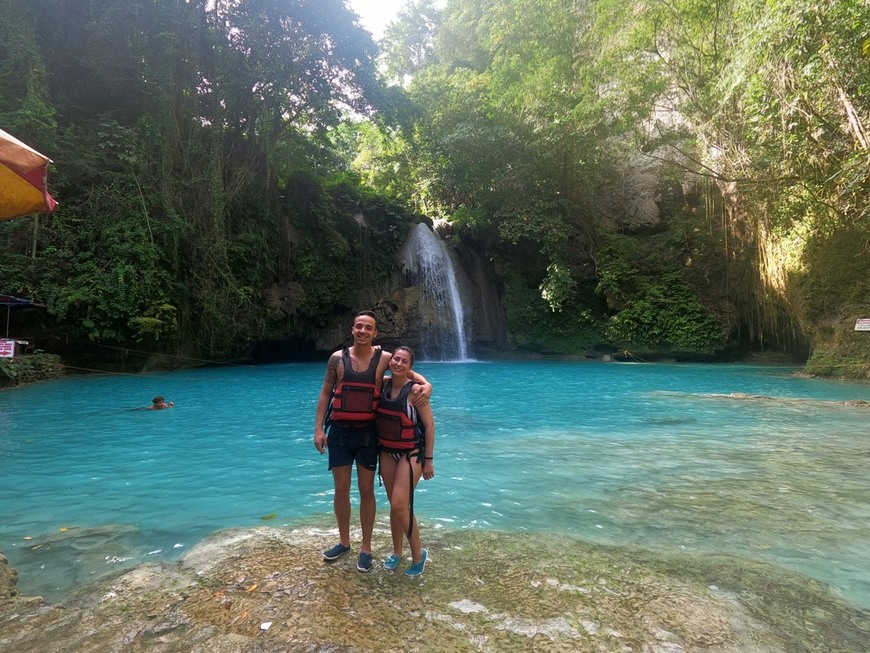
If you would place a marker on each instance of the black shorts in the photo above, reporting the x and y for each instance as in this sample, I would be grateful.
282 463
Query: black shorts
350 444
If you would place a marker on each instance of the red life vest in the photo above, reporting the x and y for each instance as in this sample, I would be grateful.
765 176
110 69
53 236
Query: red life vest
356 398
397 420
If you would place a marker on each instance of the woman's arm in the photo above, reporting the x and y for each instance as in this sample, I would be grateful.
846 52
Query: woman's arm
424 414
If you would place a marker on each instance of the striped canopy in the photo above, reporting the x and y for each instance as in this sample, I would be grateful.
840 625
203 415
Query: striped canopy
23 179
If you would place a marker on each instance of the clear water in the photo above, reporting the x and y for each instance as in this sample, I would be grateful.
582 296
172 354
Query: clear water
656 456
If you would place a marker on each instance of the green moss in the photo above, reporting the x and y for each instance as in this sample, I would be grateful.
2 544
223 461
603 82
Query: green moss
29 369
847 357
534 326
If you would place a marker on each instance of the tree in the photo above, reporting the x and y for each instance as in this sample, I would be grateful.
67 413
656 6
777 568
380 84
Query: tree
191 159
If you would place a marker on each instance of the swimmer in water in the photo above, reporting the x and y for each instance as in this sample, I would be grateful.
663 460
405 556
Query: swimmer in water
160 404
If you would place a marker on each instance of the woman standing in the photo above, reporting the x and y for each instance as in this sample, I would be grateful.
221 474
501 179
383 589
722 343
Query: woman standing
407 439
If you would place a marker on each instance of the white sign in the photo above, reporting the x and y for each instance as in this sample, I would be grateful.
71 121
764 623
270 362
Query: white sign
7 348
862 325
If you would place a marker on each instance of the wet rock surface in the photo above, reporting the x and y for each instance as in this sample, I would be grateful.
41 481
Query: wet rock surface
267 590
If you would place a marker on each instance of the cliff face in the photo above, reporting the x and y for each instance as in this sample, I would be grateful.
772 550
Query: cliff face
780 273
839 351
409 314
801 285
773 292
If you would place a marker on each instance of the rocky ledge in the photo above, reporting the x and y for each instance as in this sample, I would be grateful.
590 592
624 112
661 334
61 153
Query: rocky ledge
267 590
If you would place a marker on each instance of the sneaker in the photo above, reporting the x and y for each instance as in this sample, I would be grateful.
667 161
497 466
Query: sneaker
392 562
417 569
335 552
364 562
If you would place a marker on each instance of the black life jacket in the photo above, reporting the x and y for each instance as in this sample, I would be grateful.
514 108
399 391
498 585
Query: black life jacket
397 423
355 400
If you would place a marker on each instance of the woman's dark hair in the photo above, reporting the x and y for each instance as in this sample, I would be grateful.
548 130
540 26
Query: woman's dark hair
407 349
157 399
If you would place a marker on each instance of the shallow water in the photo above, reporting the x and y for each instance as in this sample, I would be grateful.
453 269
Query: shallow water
662 457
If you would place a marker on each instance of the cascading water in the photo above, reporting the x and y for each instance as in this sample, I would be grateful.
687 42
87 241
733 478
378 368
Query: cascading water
428 261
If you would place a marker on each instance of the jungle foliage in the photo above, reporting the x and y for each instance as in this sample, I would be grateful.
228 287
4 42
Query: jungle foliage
538 117
194 168
685 177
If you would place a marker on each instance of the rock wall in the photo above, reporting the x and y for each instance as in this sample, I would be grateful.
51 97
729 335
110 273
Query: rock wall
406 314
30 368
8 580
488 324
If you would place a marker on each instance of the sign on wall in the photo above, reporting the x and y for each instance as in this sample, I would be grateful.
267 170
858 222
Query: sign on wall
7 348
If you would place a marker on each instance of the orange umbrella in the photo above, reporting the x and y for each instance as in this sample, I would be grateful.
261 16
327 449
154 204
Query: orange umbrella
23 179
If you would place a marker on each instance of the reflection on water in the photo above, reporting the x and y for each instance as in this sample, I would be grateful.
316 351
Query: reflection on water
667 459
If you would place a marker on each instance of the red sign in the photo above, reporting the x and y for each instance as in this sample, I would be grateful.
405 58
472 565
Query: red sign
7 348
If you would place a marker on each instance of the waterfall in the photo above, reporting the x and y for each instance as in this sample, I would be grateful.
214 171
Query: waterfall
428 262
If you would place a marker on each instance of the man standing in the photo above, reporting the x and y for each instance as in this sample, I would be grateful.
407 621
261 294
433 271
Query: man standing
347 403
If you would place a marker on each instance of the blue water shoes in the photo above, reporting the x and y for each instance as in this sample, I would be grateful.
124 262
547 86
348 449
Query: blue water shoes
417 569
335 552
392 562
364 562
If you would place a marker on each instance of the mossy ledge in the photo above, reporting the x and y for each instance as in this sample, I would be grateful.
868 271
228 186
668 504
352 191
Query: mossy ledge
30 369
267 590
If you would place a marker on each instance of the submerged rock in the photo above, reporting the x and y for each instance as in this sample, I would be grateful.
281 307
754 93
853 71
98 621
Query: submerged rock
267 590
